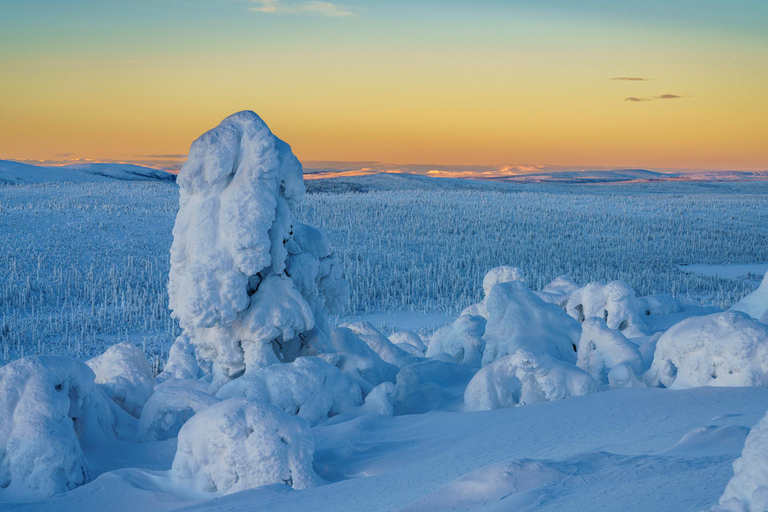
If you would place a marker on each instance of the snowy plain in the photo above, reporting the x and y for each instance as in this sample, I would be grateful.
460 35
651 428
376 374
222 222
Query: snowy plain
415 253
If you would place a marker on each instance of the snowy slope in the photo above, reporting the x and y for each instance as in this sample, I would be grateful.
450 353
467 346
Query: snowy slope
19 173
604 451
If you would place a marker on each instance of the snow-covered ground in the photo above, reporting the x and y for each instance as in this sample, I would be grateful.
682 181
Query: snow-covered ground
503 349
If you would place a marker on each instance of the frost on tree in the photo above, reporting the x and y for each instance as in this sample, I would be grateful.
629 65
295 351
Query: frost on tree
50 408
748 489
247 283
723 349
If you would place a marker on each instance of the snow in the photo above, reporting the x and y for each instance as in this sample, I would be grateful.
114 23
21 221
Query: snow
308 387
722 349
126 377
431 385
747 491
380 344
181 363
519 319
168 409
409 342
614 302
239 444
462 340
526 377
601 349
756 303
730 271
49 407
19 173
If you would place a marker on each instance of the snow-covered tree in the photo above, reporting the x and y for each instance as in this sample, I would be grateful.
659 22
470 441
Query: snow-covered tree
248 284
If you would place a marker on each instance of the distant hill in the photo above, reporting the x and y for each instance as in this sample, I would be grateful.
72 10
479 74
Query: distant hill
19 173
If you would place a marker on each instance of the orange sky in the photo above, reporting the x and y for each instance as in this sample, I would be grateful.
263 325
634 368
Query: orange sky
433 83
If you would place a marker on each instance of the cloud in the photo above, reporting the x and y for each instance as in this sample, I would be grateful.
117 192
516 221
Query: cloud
635 100
161 156
308 7
668 97
632 79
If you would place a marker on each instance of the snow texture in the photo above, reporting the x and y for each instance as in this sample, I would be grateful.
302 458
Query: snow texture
168 409
125 375
430 385
181 363
308 387
722 349
238 444
614 302
747 491
246 281
558 291
462 340
409 342
380 344
601 349
526 377
49 405
518 319
756 303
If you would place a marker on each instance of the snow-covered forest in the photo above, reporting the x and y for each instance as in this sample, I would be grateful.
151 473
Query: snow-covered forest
203 344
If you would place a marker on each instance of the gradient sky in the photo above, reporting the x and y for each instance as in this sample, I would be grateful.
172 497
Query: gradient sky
422 82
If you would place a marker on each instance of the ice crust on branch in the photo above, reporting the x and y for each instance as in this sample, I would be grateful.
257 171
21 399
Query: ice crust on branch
247 281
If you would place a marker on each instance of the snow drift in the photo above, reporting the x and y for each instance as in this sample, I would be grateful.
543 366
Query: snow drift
247 282
238 444
723 349
526 377
756 303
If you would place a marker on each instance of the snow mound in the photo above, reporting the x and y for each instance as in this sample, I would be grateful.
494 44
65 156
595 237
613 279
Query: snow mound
558 291
747 491
246 282
308 387
182 363
614 302
168 409
48 406
462 340
380 344
601 349
523 378
756 303
502 274
409 342
518 319
723 349
380 400
125 375
430 385
239 444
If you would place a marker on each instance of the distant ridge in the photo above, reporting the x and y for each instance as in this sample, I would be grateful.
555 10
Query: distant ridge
19 173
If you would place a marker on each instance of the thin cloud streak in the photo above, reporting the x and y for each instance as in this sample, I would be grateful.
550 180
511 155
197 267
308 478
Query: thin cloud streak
632 79
668 97
310 7
635 100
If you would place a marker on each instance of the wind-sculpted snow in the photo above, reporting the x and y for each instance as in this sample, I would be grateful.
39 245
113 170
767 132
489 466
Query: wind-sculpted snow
462 340
49 406
722 349
756 303
168 409
601 349
614 302
518 319
238 444
243 285
747 491
308 387
523 378
123 373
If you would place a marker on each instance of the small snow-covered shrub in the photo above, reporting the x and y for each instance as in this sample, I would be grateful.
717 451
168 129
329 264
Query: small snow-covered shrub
430 385
502 274
462 340
48 406
518 319
558 291
125 375
380 400
614 302
526 377
659 304
308 387
756 303
747 491
238 444
380 344
246 282
723 349
168 409
409 342
181 363
602 348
